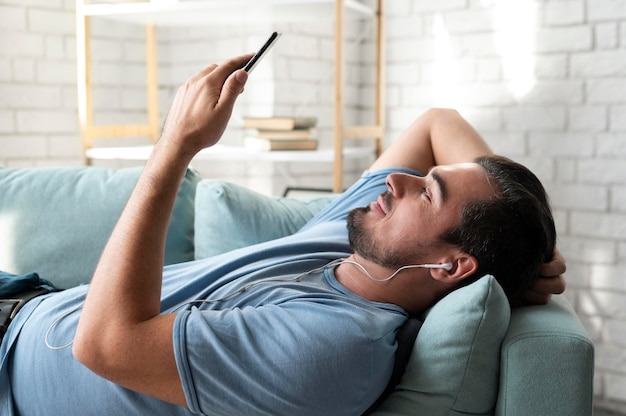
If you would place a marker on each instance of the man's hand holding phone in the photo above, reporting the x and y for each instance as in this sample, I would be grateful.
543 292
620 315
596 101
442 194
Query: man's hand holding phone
203 105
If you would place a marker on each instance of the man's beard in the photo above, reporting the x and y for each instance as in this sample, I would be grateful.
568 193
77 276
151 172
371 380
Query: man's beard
363 243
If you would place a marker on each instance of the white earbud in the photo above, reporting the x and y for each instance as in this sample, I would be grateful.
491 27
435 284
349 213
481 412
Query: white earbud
445 266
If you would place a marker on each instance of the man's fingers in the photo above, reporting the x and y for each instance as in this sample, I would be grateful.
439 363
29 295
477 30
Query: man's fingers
203 73
233 87
530 297
549 285
555 267
223 71
542 290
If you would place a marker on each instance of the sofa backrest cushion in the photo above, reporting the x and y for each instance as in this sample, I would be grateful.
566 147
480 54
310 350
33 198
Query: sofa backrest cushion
56 221
229 216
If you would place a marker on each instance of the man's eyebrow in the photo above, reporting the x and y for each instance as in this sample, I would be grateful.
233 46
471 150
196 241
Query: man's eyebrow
440 183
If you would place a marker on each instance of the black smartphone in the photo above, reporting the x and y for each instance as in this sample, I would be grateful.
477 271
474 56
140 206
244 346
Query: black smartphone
261 53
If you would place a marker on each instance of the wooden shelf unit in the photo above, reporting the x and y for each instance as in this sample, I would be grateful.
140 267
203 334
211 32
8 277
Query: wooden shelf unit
196 12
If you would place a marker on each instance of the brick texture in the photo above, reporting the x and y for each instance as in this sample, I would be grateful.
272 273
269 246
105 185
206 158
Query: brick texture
565 120
545 83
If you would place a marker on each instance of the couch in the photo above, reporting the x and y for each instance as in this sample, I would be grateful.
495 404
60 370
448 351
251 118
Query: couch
472 356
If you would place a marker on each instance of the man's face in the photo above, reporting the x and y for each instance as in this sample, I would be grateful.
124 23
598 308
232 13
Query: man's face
403 226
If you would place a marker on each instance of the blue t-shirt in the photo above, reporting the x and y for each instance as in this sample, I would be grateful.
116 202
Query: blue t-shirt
281 337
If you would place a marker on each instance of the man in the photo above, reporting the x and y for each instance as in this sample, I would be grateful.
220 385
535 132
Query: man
284 327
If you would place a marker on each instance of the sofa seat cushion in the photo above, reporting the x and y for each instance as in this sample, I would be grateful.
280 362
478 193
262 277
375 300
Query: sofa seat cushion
56 221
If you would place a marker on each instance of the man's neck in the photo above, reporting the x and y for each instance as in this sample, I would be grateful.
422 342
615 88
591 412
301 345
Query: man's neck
409 289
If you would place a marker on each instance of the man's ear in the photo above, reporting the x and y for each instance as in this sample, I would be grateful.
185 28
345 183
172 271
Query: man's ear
463 265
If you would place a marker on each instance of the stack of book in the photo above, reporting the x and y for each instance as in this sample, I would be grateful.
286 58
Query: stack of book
280 133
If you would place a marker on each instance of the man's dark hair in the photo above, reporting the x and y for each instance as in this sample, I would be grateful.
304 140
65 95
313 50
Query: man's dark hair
512 234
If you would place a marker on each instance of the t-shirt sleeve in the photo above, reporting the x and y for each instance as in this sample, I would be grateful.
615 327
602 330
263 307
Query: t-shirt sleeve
279 359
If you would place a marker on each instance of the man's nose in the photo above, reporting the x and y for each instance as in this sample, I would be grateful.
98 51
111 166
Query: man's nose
400 183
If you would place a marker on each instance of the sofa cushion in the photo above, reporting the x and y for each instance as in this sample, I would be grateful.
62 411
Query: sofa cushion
454 366
229 216
56 221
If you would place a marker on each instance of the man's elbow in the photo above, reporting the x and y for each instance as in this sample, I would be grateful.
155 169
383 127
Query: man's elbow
96 353
442 112
85 352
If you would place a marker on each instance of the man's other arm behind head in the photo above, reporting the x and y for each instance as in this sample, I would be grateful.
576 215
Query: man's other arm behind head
437 137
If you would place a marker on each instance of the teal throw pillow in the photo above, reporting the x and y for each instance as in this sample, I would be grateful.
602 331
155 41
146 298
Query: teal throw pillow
455 363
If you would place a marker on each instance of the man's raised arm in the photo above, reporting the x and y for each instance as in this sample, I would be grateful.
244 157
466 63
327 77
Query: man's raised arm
121 335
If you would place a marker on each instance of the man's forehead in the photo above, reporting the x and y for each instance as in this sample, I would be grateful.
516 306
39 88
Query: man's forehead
462 177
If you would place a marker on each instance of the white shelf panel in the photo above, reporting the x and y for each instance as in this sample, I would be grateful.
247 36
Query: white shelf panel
203 12
231 153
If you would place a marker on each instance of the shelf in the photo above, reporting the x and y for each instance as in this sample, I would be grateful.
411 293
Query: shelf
231 153
210 13
203 12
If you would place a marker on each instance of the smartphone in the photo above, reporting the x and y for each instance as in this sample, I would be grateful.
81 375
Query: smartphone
261 53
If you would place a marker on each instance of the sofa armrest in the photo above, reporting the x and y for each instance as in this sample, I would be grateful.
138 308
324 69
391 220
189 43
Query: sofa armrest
547 363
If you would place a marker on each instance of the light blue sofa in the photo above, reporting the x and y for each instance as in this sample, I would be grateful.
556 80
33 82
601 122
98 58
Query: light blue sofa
472 356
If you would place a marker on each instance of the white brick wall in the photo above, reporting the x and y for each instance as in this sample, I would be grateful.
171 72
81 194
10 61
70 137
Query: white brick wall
569 126
38 121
